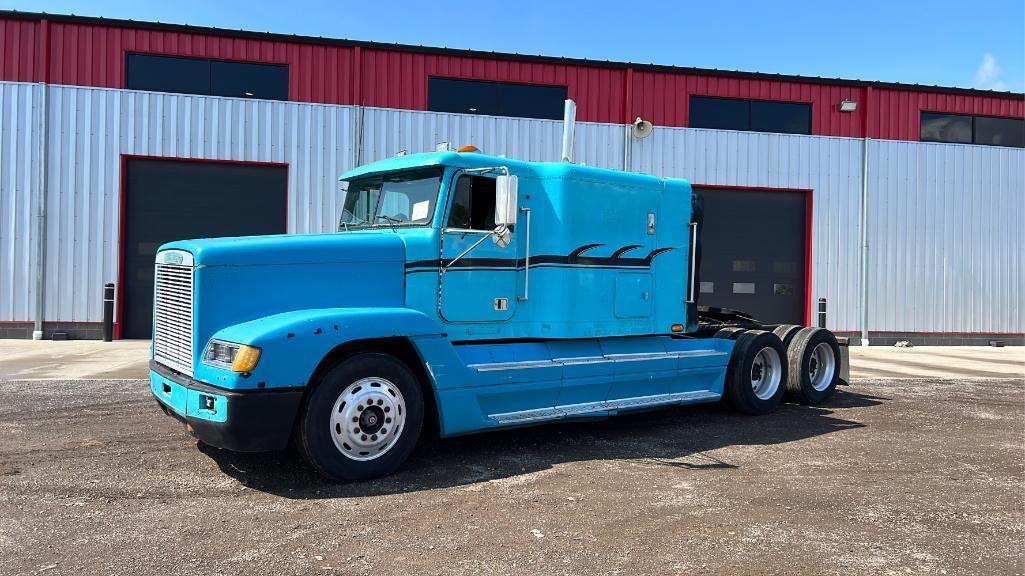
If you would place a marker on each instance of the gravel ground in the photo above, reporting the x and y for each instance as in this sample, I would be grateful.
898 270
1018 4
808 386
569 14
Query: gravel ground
892 477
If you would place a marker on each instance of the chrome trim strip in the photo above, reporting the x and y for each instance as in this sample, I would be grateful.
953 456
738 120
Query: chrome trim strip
512 365
566 410
520 364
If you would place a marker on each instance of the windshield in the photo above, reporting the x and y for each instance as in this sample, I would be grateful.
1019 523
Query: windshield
394 199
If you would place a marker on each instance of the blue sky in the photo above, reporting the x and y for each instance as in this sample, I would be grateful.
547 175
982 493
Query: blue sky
944 42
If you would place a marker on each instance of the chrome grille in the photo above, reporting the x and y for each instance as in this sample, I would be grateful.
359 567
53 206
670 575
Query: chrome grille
172 317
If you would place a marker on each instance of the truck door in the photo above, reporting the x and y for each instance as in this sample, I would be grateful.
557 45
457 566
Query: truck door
481 285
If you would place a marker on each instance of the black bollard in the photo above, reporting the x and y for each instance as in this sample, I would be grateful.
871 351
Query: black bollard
108 312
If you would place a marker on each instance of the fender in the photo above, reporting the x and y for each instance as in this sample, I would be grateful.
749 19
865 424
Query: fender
293 343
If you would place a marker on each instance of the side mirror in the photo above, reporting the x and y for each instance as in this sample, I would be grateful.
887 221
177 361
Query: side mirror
506 206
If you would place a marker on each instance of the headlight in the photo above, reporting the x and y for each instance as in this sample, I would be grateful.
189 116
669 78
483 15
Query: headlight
231 356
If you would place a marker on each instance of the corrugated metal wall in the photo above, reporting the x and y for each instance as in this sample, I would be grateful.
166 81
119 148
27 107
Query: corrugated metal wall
388 131
664 99
896 114
394 79
91 128
830 167
87 55
21 60
92 53
20 114
947 245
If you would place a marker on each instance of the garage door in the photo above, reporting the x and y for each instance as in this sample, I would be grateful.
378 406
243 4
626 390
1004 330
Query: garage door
168 200
753 250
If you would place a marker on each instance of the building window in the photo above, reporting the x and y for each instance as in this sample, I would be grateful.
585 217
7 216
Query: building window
967 129
495 98
207 77
750 115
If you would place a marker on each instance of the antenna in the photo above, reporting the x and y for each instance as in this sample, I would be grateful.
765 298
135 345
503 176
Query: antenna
641 128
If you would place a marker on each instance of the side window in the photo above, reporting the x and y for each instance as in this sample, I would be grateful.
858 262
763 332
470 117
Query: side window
473 204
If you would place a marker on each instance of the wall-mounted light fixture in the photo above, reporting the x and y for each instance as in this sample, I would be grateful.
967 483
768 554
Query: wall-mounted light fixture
848 105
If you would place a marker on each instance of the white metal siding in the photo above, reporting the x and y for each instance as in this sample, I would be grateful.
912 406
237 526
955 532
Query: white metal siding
947 245
946 240
20 115
388 131
90 128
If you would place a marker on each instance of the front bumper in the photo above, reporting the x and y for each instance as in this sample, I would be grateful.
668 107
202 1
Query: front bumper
239 420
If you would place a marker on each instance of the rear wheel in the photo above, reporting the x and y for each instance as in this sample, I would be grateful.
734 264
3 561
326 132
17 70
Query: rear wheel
814 365
363 419
729 333
757 373
786 333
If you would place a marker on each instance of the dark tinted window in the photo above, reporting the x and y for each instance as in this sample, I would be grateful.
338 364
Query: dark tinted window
955 128
249 80
531 101
754 115
721 113
168 74
786 117
473 204
1000 131
966 129
495 98
205 76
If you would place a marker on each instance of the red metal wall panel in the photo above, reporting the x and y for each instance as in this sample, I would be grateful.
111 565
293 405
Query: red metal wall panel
896 112
393 79
664 99
89 55
93 54
20 51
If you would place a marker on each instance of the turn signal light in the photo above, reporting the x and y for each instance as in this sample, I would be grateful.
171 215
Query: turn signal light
245 359
677 328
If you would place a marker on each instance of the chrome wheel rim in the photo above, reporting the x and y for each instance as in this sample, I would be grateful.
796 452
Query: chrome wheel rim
766 372
822 366
367 418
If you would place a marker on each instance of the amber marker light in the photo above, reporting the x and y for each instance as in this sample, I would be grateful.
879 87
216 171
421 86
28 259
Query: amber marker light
245 359
677 328
468 148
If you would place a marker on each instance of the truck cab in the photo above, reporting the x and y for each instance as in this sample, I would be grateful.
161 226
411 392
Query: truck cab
462 291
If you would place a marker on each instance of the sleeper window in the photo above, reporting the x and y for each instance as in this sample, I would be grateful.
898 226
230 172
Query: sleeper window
473 204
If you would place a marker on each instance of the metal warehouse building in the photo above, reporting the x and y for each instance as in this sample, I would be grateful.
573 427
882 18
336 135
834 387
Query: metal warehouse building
900 204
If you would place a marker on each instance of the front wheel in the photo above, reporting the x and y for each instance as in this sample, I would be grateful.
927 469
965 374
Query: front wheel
363 418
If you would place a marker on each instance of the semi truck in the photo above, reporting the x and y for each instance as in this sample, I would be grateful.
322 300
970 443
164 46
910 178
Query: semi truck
462 293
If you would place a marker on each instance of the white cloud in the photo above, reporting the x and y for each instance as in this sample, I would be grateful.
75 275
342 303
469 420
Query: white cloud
988 74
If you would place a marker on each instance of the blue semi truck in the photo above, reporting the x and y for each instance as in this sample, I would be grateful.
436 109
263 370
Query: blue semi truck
462 293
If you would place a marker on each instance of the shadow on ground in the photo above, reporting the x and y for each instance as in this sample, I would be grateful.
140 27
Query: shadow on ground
679 437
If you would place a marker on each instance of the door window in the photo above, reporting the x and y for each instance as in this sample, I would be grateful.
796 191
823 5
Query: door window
473 204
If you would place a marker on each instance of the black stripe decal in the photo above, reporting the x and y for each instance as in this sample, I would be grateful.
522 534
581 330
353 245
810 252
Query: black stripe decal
583 249
624 250
572 260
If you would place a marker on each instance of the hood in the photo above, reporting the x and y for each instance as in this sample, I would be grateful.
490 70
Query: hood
344 247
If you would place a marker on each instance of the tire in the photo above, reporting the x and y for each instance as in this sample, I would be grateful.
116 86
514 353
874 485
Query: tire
814 366
344 442
786 333
757 373
728 333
